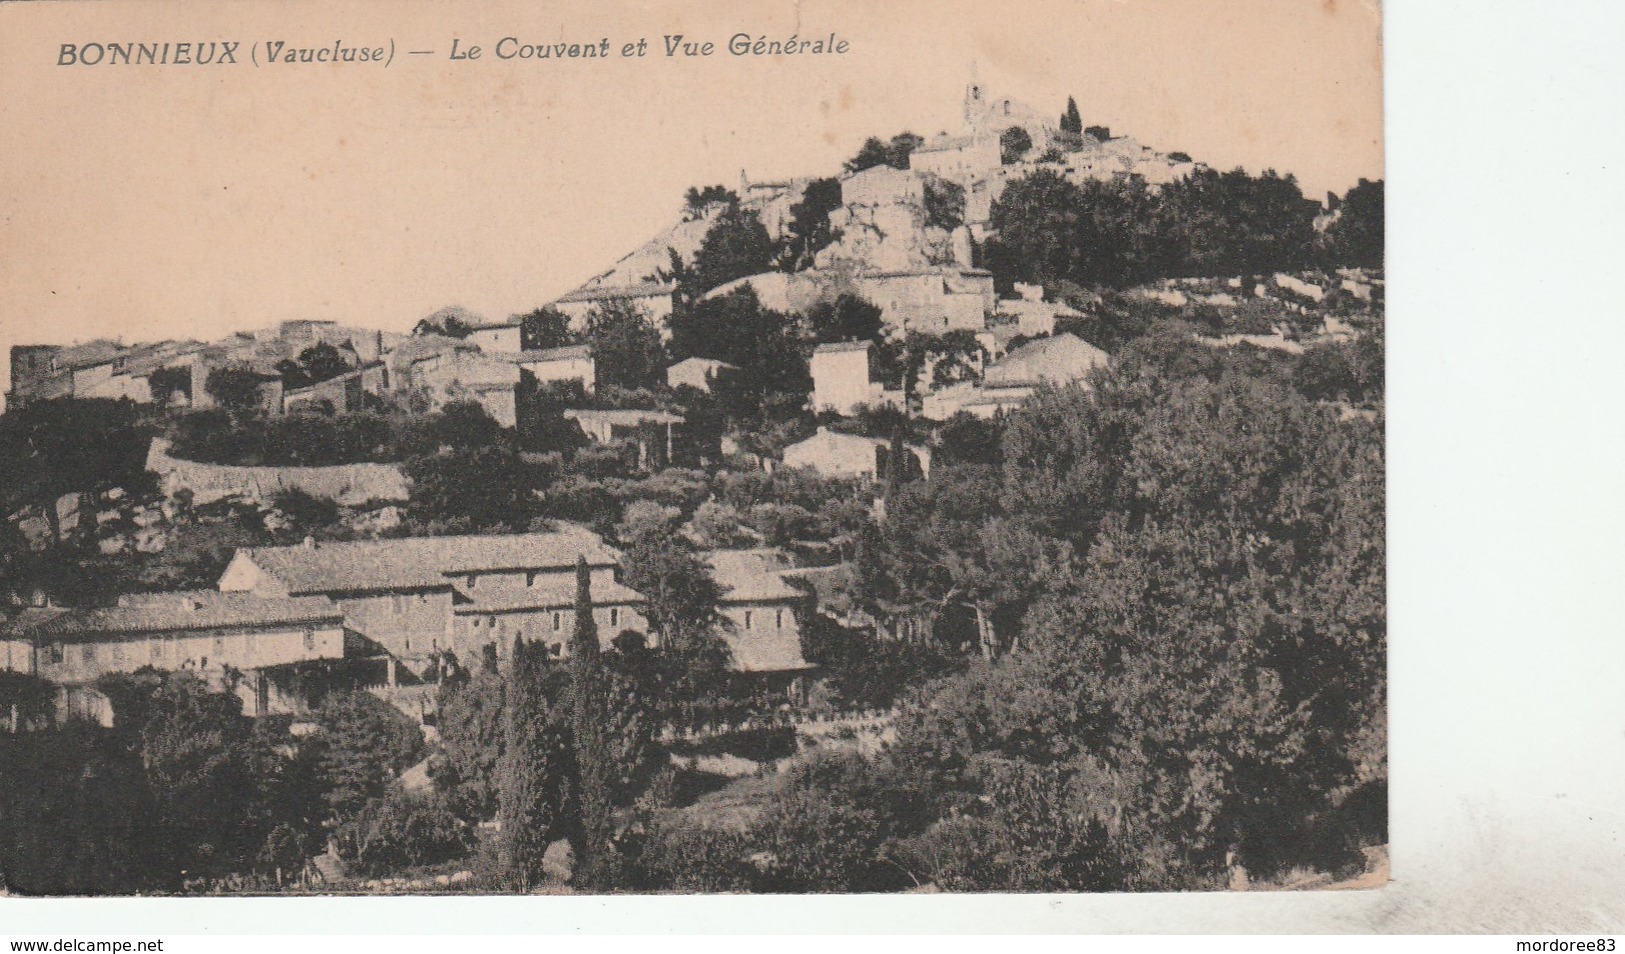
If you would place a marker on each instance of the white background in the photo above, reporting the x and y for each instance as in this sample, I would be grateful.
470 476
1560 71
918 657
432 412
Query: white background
1506 338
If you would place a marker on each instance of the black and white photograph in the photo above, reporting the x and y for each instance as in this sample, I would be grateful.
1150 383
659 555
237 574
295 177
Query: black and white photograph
688 449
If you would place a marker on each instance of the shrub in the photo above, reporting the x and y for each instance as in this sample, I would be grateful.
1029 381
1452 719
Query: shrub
404 830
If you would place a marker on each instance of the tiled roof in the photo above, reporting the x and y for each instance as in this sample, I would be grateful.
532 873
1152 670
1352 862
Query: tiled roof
1060 358
843 346
751 576
626 418
566 353
192 610
423 562
552 594
706 363
611 292
418 347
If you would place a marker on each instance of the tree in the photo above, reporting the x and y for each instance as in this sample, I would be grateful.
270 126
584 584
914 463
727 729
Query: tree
544 328
452 321
235 387
697 200
847 318
944 203
536 770
308 515
317 363
1232 223
363 745
404 830
69 445
165 383
1014 143
876 152
683 613
1204 681
1355 237
596 771
472 724
487 487
809 228
79 816
735 246
195 748
1071 122
763 344
626 346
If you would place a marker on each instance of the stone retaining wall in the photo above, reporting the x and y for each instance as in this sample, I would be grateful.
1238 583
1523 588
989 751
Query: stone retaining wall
348 484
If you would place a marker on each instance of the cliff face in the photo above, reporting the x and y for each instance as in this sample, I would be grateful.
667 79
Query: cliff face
886 237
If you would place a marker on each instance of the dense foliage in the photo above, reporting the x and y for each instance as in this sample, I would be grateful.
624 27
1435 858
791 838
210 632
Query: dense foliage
1122 232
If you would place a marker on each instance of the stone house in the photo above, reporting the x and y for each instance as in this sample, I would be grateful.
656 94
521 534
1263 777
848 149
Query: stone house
841 377
414 598
764 613
499 336
934 300
342 394
653 298
258 646
700 373
833 454
652 431
569 363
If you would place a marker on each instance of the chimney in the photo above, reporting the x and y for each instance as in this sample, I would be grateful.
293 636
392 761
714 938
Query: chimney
310 543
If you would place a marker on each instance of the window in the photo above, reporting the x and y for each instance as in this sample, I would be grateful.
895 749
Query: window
491 622
87 653
558 621
530 577
778 619
157 649
614 616
747 619
408 644
472 581
310 639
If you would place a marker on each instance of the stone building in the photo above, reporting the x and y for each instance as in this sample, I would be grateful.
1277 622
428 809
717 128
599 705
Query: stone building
833 454
414 598
841 377
258 646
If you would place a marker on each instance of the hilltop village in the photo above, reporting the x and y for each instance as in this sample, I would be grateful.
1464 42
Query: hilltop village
822 458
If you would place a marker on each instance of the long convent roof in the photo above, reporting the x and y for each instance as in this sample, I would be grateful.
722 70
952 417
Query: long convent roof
423 562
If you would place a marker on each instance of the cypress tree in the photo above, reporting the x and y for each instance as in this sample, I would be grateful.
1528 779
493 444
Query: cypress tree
1071 121
595 761
533 773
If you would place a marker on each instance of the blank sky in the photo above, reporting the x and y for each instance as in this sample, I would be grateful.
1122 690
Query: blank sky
191 201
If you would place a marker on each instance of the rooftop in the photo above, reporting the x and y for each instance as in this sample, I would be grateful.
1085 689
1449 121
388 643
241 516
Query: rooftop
171 612
423 562
843 346
548 594
611 292
748 576
565 353
1059 358
625 418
